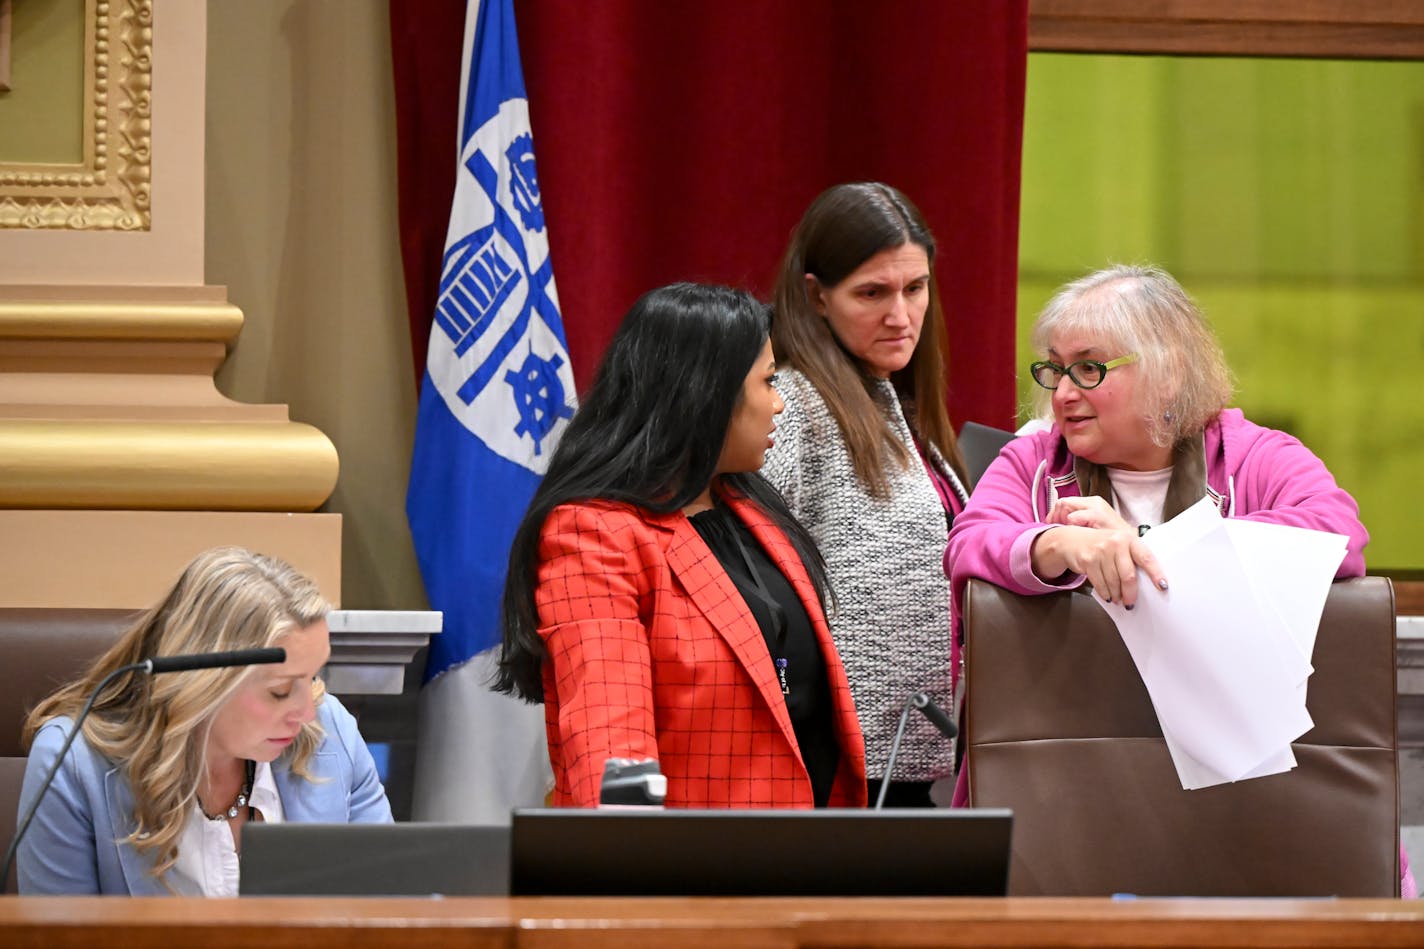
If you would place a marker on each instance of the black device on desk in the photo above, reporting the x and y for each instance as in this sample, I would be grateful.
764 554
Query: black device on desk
632 782
291 859
825 852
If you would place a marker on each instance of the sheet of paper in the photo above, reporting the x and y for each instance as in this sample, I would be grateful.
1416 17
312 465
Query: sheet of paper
1137 631
1210 652
1309 557
1194 775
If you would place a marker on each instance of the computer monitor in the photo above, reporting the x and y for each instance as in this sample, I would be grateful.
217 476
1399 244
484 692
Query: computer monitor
830 852
374 860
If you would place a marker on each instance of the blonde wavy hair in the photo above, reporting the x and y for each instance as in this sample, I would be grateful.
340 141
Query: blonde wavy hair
1143 310
155 728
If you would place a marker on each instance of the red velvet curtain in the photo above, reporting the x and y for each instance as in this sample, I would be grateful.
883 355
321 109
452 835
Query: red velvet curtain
683 141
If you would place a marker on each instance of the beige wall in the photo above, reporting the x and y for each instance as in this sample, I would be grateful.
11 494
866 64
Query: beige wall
301 228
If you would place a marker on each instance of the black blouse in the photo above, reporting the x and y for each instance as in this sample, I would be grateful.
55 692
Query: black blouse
790 639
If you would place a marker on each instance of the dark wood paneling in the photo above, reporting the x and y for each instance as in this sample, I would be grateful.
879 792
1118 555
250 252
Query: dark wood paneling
1409 597
1337 29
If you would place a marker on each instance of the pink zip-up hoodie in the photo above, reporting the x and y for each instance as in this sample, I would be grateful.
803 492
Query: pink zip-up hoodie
1251 472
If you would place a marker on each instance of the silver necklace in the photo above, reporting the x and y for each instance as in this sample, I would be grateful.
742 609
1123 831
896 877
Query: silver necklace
239 802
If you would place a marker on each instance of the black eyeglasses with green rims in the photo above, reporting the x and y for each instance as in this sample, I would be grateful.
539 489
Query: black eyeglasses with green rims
1085 373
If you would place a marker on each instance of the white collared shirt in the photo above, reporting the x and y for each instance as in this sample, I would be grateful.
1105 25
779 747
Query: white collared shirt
207 857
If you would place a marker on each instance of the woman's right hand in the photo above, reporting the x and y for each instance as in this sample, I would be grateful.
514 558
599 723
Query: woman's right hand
1108 557
1091 511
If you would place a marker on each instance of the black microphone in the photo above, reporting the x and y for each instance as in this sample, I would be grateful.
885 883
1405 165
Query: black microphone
938 717
930 710
217 660
153 666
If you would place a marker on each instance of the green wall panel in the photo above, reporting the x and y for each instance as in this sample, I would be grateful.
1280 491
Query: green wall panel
1288 197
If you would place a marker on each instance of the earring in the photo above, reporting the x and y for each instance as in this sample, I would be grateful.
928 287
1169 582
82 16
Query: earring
1167 417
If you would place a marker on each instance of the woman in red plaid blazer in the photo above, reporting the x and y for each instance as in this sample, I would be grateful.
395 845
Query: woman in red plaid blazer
661 601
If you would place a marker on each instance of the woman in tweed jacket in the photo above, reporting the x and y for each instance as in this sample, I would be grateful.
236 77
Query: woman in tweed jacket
867 460
661 601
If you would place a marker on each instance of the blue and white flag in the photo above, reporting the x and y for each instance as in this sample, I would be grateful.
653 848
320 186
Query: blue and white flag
497 393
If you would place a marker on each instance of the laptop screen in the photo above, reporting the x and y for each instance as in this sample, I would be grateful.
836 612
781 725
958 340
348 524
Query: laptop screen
906 852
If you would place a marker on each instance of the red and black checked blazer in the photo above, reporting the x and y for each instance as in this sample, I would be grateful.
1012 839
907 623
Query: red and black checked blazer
654 654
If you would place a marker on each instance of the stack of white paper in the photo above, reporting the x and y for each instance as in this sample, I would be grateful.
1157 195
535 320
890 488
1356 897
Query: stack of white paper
1225 650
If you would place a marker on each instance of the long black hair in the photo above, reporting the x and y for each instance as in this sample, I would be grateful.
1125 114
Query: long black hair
649 433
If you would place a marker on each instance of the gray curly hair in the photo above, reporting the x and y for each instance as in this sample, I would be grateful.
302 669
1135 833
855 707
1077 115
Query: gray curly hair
1143 310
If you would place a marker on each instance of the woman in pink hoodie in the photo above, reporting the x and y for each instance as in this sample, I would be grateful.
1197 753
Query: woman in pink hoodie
1138 387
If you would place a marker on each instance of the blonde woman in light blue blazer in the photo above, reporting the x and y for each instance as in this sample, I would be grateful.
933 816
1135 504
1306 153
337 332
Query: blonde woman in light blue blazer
168 769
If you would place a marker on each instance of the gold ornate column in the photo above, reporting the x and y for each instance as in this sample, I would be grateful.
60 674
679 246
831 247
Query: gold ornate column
119 458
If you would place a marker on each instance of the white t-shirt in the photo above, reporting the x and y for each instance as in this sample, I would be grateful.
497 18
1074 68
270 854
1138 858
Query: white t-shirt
1140 495
207 855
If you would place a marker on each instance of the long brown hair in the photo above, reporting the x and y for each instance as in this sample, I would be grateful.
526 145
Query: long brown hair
156 729
843 228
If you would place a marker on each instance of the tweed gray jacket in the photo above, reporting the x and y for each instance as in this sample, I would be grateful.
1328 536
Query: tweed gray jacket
884 558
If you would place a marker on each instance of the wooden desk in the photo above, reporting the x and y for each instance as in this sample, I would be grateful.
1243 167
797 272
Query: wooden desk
112 923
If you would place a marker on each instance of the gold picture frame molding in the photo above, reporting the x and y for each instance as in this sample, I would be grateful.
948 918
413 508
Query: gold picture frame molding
111 188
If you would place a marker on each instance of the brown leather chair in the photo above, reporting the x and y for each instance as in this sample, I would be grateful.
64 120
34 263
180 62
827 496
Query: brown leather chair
40 650
1059 728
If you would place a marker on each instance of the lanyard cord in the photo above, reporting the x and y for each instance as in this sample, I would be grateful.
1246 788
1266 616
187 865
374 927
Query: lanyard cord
778 614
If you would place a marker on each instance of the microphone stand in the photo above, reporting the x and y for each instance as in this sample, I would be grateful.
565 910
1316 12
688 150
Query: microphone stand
931 711
24 824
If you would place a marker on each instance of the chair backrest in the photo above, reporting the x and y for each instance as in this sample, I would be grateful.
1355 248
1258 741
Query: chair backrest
42 649
980 445
1060 729
12 775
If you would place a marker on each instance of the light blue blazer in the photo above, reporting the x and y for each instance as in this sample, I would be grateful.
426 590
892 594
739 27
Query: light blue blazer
76 842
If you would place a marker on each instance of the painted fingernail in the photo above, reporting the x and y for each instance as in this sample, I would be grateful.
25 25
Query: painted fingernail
1162 584
1128 605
